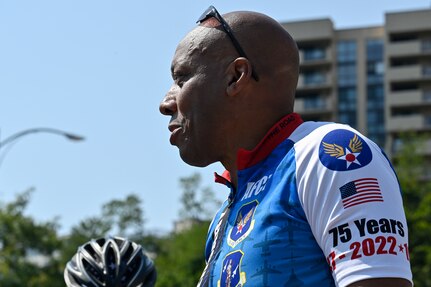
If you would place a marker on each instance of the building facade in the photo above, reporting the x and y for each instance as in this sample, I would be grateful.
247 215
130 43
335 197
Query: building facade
376 79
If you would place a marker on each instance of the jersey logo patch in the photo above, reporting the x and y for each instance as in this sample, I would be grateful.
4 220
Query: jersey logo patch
343 150
231 275
244 223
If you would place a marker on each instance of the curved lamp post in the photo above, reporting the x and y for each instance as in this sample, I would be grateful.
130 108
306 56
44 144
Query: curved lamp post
18 135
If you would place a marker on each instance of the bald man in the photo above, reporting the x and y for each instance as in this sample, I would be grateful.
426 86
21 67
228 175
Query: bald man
310 203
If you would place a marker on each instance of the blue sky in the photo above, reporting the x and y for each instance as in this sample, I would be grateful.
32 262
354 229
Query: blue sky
99 69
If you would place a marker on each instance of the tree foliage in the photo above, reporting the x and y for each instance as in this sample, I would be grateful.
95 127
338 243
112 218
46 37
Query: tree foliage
411 166
28 249
118 217
180 260
32 254
197 203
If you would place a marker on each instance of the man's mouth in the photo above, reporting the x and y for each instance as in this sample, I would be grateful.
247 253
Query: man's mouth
175 132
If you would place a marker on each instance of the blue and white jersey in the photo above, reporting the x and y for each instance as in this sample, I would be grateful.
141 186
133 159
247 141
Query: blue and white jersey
317 204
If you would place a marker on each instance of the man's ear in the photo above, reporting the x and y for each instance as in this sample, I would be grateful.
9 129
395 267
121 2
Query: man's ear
239 75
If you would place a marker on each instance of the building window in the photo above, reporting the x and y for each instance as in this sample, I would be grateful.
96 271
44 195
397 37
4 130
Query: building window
379 139
346 66
314 78
346 74
314 53
375 65
375 91
375 97
426 45
347 106
347 99
375 72
375 122
375 68
426 71
375 50
346 51
347 118
376 113
315 102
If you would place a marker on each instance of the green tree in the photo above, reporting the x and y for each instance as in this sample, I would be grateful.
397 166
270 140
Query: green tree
180 258
28 249
119 217
33 255
411 166
198 203
126 216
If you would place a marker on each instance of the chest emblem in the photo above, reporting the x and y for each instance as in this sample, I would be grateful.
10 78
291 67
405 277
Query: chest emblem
231 275
244 223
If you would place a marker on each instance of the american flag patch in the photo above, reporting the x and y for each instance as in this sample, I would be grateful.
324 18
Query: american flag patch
360 191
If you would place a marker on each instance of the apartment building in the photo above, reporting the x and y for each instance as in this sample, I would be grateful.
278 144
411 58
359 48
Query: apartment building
376 79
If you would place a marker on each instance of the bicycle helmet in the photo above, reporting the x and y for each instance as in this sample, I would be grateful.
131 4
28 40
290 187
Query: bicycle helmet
110 262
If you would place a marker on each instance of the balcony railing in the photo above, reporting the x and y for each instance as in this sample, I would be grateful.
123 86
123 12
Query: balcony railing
404 48
412 72
412 122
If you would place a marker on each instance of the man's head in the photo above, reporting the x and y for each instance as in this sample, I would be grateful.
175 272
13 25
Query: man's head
221 101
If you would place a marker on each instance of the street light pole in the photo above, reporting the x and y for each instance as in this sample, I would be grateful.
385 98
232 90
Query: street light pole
18 135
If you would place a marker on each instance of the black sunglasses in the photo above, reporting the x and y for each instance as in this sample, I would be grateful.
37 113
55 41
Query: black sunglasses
212 12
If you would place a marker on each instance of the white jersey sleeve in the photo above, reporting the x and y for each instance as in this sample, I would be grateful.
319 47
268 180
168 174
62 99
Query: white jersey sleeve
352 201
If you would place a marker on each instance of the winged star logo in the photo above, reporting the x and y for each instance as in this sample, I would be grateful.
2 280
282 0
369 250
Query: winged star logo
343 150
244 223
349 154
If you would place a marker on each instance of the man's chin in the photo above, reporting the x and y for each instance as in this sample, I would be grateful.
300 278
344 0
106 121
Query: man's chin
194 160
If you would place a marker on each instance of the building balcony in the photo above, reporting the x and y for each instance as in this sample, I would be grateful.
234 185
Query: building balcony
311 30
409 98
321 82
407 21
409 48
323 60
304 106
416 122
405 73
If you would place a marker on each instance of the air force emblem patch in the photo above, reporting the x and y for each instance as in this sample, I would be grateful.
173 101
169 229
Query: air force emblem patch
231 275
343 150
244 223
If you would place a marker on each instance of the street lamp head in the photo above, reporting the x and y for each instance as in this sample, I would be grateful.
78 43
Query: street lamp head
73 137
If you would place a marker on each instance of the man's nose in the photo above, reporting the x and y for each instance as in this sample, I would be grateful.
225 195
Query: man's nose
168 106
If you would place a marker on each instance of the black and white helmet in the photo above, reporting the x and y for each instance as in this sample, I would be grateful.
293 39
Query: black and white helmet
110 262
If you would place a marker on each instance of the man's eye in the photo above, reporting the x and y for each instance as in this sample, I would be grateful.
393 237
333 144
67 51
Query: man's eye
179 82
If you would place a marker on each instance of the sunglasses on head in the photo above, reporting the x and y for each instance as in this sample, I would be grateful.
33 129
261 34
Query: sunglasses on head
212 12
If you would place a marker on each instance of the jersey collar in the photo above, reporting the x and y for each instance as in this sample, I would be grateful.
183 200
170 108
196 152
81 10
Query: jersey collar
278 133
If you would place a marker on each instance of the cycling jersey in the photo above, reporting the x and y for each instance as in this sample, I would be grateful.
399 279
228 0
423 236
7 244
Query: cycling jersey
316 204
